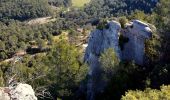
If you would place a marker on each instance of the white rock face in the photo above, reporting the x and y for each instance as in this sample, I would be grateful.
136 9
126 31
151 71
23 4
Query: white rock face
3 94
99 41
23 92
137 32
19 92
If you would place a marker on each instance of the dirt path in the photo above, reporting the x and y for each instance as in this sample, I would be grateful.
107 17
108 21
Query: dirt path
42 20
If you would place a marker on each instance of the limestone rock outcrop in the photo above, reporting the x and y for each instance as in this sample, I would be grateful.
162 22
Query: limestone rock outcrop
137 32
100 39
18 92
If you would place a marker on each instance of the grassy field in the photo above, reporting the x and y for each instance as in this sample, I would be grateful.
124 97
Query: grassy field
79 3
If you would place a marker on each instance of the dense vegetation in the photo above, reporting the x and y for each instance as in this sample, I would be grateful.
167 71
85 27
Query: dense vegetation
24 9
109 8
58 66
149 94
59 3
17 36
59 70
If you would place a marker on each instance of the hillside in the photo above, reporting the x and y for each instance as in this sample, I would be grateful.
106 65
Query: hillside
24 9
103 8
84 49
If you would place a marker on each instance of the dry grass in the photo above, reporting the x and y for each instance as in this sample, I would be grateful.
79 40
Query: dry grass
80 3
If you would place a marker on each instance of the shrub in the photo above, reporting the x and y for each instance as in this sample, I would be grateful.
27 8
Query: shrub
103 24
123 21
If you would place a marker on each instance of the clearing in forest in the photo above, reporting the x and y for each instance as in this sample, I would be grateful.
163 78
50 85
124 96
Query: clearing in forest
79 3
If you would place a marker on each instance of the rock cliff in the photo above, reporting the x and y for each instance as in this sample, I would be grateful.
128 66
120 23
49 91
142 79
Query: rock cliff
100 39
137 32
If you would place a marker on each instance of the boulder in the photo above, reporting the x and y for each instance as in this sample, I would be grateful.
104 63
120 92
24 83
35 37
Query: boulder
18 92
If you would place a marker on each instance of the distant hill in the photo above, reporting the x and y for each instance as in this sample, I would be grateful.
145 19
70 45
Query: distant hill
24 9
103 8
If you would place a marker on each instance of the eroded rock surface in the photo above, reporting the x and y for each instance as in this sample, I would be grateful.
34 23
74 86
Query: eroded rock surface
99 41
136 32
18 92
3 94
